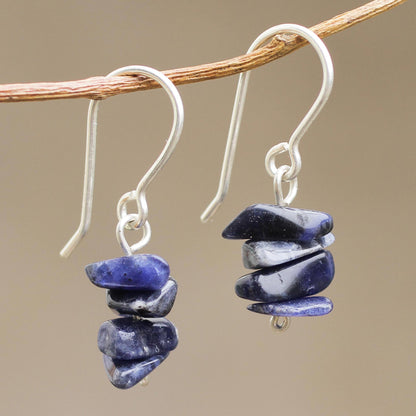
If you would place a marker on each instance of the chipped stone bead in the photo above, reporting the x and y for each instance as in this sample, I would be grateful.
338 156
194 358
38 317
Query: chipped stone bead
310 306
326 240
149 304
124 374
138 272
258 254
303 277
129 338
273 222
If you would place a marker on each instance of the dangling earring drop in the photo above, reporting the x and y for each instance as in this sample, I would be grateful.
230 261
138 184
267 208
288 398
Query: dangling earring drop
285 244
139 286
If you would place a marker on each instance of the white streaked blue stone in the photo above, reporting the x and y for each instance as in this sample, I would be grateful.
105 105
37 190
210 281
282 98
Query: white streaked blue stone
138 272
149 304
124 374
272 222
302 277
326 240
311 306
130 338
258 254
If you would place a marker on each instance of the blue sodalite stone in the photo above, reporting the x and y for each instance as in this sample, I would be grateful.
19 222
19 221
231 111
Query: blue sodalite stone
138 272
125 374
258 254
273 222
313 306
326 240
296 279
149 304
130 338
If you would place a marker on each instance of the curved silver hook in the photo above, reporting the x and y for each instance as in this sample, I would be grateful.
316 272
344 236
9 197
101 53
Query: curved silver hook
87 198
328 77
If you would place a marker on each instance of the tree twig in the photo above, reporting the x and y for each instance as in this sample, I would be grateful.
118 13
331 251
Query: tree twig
101 87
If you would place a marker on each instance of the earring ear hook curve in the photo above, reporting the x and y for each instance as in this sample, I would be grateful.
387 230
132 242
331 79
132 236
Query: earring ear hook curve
90 152
239 101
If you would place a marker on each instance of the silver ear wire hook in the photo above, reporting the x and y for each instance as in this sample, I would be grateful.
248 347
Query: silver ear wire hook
293 145
139 195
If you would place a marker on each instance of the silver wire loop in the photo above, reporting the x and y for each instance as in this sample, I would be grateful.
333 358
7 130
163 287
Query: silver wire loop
270 162
122 208
240 97
144 382
140 193
280 323
278 186
121 238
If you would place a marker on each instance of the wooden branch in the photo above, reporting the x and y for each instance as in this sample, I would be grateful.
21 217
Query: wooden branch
102 87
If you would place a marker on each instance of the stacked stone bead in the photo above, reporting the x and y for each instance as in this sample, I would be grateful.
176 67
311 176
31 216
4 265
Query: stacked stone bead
139 288
287 246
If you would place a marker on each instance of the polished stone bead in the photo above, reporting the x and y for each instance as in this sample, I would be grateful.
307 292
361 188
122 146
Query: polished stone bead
326 240
130 338
125 374
272 222
258 254
149 304
311 306
138 272
296 279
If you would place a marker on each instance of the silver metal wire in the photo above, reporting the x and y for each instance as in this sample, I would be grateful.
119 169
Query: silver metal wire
270 160
121 238
122 206
280 323
293 145
139 195
278 186
144 382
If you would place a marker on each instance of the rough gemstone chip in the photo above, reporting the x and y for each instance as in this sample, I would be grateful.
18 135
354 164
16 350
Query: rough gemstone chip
296 279
273 222
149 304
311 306
258 254
138 272
129 338
326 240
125 374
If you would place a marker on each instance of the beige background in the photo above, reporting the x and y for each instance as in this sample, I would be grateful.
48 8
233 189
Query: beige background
358 164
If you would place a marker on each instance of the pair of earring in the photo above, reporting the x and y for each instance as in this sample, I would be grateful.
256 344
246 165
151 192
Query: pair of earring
286 244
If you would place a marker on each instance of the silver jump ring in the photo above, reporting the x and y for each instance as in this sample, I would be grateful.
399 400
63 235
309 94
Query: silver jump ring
281 323
121 238
270 161
278 186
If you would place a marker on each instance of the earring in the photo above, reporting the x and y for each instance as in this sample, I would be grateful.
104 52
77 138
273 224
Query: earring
285 244
139 286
